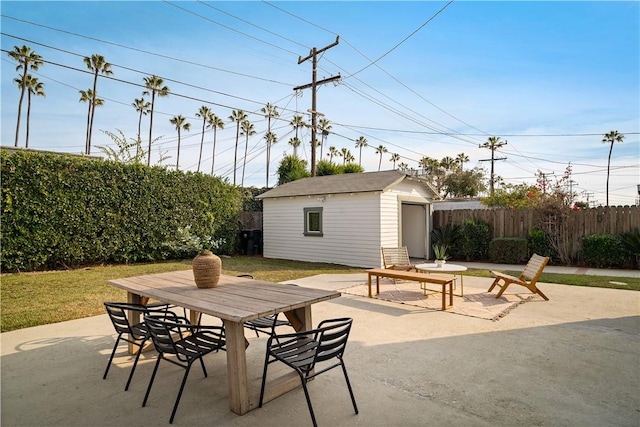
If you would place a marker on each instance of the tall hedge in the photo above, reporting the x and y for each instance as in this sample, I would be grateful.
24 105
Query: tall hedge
65 211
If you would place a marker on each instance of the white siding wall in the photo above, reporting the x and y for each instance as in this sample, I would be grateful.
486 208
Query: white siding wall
351 229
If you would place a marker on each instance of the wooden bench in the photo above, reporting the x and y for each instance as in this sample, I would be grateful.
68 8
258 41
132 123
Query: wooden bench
437 279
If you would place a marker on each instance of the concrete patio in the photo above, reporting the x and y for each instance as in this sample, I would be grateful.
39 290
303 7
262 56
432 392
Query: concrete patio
571 361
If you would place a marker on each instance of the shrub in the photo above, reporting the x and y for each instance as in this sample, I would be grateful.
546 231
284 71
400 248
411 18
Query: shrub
325 167
447 235
603 250
631 244
352 168
67 211
538 243
508 250
473 242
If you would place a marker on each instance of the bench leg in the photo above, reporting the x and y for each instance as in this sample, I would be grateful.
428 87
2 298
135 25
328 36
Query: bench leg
369 284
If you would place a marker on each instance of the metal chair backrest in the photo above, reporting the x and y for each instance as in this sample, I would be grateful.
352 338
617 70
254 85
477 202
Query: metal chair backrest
332 336
163 334
118 314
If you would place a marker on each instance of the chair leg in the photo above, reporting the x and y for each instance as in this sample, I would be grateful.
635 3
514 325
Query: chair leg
184 381
346 377
135 363
494 284
539 292
503 288
113 352
153 376
203 368
264 380
306 395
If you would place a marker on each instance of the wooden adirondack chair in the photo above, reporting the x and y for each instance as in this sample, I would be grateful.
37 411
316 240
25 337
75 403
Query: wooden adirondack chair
528 278
397 259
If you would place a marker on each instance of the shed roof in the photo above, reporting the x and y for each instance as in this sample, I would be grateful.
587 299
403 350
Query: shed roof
344 183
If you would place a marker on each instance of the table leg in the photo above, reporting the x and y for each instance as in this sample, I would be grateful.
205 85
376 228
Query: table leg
134 318
369 285
237 368
377 285
451 293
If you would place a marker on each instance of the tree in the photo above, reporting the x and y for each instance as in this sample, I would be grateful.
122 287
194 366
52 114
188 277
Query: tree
295 143
461 183
297 122
325 126
394 158
34 87
156 87
271 139
247 131
493 143
27 60
269 111
380 150
204 112
142 106
333 151
98 65
344 153
611 138
292 168
89 97
236 116
179 122
360 143
448 163
461 159
403 167
215 123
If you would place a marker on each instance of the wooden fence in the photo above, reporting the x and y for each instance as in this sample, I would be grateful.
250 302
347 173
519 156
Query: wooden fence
512 223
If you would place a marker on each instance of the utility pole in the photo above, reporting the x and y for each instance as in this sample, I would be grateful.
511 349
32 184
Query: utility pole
493 143
313 55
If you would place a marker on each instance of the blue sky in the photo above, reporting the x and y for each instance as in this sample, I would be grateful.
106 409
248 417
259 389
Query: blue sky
549 77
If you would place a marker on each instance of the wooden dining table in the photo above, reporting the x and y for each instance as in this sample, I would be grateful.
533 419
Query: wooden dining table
235 300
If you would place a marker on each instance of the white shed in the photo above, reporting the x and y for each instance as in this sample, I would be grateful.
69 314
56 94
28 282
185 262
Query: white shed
345 219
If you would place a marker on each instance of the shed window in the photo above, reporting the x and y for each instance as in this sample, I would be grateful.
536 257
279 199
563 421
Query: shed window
313 221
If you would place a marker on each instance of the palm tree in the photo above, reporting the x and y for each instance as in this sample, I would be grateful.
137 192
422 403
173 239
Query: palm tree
361 142
204 112
88 97
493 143
448 163
271 139
215 123
237 116
34 87
295 143
344 153
394 158
611 137
324 126
142 106
297 123
247 131
179 122
98 65
380 150
269 111
332 152
403 167
461 159
27 60
156 86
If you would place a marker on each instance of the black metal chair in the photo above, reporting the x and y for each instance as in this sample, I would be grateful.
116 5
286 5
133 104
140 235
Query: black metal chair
186 343
303 350
266 325
132 333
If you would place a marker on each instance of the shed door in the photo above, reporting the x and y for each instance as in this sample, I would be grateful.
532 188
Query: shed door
414 229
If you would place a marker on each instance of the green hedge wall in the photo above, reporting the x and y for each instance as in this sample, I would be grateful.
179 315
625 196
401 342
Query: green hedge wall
65 211
508 250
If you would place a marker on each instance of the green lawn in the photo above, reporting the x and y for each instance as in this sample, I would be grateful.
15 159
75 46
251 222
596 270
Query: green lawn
32 299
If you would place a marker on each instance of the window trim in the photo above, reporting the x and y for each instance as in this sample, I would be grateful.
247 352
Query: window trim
308 211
